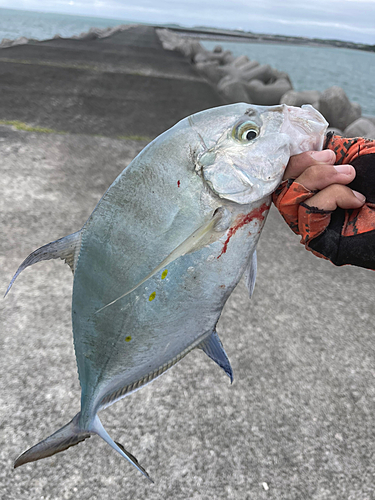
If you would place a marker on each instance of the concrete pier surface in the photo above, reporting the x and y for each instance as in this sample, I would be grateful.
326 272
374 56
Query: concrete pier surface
124 85
297 423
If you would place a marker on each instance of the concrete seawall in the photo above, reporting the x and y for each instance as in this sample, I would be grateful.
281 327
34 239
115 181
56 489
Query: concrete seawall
297 422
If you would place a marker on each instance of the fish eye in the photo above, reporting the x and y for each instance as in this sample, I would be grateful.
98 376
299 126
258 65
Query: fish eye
245 131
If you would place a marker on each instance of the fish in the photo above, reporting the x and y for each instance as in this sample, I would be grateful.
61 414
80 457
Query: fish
163 250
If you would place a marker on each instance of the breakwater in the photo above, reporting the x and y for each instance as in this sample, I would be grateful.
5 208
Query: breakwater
237 78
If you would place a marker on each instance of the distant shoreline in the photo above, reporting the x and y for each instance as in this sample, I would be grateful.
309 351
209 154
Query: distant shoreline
247 36
199 32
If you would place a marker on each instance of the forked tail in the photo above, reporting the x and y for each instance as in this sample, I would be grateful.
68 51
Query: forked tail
70 435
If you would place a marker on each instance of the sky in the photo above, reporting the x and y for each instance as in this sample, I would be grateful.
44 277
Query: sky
352 20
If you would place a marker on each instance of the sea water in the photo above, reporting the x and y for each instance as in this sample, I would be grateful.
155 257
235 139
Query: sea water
316 67
309 67
44 26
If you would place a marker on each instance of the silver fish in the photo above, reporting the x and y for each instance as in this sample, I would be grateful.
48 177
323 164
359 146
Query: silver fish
164 248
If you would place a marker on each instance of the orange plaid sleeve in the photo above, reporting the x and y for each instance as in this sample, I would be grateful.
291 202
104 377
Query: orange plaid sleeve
341 236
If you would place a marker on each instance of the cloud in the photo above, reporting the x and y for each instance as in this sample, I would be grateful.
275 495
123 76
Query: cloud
329 25
341 19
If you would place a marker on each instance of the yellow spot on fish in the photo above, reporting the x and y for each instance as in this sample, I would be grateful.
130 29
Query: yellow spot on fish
164 274
152 296
128 338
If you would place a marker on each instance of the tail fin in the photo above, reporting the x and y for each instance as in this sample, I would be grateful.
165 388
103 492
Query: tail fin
98 428
66 248
61 440
70 435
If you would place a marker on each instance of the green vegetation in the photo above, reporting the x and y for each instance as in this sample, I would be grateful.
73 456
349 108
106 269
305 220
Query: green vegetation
133 138
28 128
50 63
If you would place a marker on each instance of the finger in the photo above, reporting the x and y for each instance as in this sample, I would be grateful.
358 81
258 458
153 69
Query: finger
320 176
336 195
299 163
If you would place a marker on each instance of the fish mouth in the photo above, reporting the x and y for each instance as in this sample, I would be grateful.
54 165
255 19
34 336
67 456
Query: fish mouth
245 188
307 127
239 196
248 179
235 181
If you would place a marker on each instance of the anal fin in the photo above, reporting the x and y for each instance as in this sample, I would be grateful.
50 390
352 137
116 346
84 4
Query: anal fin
66 248
214 349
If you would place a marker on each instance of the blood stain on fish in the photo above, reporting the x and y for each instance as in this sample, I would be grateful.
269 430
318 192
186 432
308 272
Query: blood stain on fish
241 220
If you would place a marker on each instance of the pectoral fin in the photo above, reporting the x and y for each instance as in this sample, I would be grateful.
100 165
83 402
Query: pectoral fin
214 349
194 242
66 248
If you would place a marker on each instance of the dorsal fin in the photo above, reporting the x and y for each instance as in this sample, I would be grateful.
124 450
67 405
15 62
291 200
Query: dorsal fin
66 248
214 349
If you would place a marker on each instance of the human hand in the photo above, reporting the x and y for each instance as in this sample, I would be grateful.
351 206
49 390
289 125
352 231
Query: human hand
325 202
315 170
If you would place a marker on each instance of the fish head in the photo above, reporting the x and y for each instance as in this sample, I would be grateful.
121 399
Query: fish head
244 149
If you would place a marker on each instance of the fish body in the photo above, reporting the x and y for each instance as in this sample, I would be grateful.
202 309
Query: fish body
165 247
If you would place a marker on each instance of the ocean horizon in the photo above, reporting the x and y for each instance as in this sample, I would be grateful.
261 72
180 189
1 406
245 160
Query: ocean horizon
37 25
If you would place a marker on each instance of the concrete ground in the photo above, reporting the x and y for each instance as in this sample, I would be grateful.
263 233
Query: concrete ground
297 423
125 85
